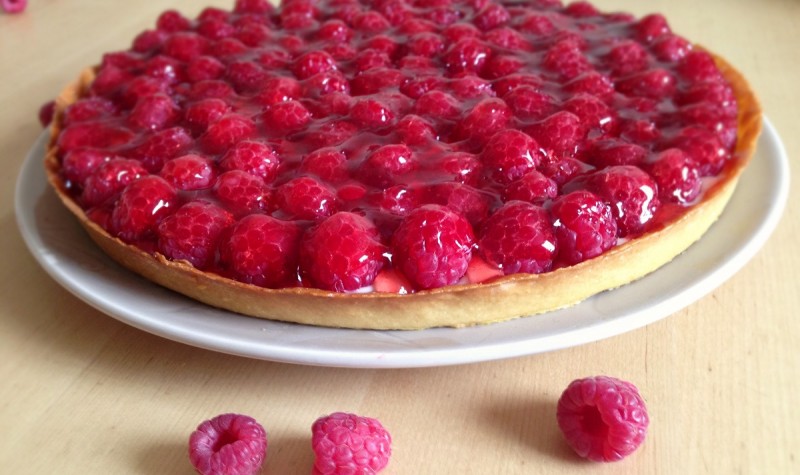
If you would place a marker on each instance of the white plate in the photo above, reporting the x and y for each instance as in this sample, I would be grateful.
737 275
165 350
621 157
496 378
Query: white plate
68 255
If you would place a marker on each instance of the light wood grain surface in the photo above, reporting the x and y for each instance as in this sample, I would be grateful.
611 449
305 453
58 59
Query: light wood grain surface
81 393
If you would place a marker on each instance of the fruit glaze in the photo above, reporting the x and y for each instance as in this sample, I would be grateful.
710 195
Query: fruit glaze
395 145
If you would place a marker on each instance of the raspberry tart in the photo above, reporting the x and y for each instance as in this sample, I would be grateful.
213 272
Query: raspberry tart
401 164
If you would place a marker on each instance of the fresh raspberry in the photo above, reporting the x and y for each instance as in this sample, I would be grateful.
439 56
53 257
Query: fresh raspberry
328 164
77 165
464 200
213 13
676 176
371 113
342 253
335 31
591 82
154 112
87 109
189 172
427 44
385 164
210 89
256 158
227 48
203 68
414 130
459 31
433 246
311 63
253 35
369 59
641 131
370 22
278 89
349 444
504 86
468 55
161 146
306 198
246 76
566 59
714 118
171 20
529 103
253 6
654 83
229 444
562 169
376 80
536 24
14 6
595 115
241 191
507 38
330 133
626 58
438 105
652 27
486 118
149 41
169 71
215 29
46 112
462 167
227 131
671 48
193 232
581 10
262 250
201 114
397 200
93 134
518 237
468 86
110 178
603 419
585 226
509 154
533 187
142 86
185 45
491 16
632 194
325 84
561 133
704 147
289 116
141 207
609 152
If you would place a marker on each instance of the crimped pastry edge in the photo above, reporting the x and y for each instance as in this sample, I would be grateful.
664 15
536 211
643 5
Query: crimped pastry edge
465 305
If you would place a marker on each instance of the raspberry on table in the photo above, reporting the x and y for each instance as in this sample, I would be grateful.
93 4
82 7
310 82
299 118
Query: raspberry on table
228 444
603 419
262 250
14 6
346 443
432 246
341 253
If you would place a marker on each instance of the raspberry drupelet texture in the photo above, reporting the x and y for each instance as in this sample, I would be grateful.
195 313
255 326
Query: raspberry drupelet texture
406 141
228 444
346 443
603 419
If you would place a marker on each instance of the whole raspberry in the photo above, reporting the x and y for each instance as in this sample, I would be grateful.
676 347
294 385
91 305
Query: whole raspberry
161 146
201 114
192 233
382 166
632 194
533 187
437 105
371 113
491 16
141 207
228 444
349 444
204 68
518 237
468 55
278 89
256 158
562 133
529 103
486 118
653 83
312 63
464 200
189 172
584 225
509 154
609 152
77 165
227 131
591 82
433 246
704 147
627 57
14 6
185 46
241 191
462 167
676 176
652 27
171 20
414 130
92 134
566 59
262 250
306 198
341 253
288 116
602 418
328 164
108 179
88 108
46 112
595 115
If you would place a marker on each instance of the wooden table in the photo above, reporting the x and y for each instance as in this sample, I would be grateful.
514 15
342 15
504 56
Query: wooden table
82 393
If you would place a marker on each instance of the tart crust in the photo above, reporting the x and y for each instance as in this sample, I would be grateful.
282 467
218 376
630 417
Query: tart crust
453 306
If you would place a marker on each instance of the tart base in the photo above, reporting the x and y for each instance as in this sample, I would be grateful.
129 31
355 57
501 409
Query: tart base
454 306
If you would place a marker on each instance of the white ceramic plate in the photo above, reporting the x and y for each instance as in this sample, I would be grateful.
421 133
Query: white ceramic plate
68 255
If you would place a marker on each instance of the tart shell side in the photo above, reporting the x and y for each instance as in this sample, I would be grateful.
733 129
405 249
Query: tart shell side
454 306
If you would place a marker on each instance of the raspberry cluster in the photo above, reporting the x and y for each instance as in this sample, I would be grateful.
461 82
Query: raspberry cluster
336 143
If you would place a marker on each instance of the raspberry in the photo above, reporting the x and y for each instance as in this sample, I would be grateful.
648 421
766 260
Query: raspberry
46 112
256 158
189 172
80 163
652 27
241 191
437 105
185 46
463 167
562 169
328 164
306 198
562 133
632 194
425 44
486 118
215 29
370 113
226 132
508 38
676 176
491 16
87 109
14 6
671 48
109 179
193 232
160 147
154 112
609 152
335 31
566 59
149 41
172 20
704 147
253 6
470 87
376 80
398 200
533 187
510 83
591 82
262 250
518 237
204 68
341 253
603 419
713 118
595 115
433 246
529 103
468 55
584 226
246 76
349 444
414 130
626 58
230 444
92 134
311 63
382 166
289 116
141 206
201 114
464 200
325 83
655 83
509 154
